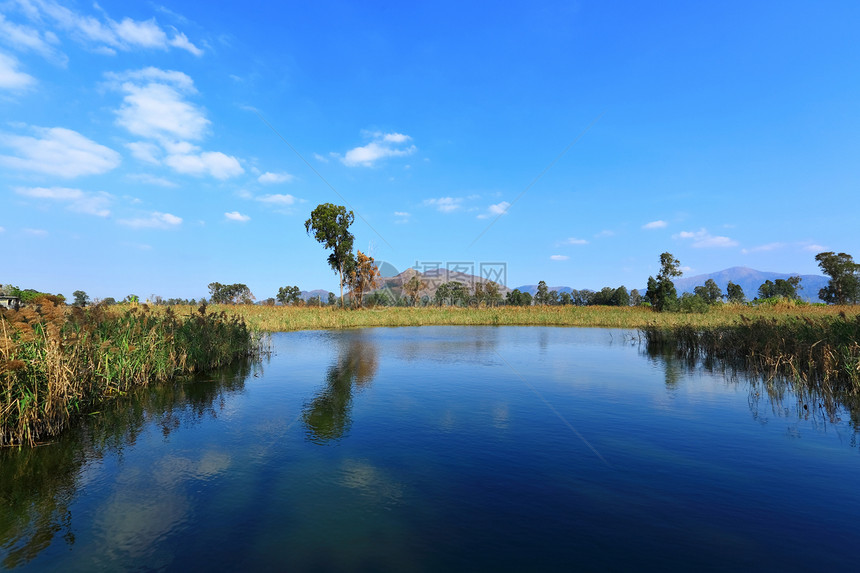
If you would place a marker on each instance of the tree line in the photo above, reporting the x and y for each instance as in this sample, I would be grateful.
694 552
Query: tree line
843 286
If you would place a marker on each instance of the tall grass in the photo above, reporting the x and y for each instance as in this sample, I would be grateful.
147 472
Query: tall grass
288 318
823 351
56 363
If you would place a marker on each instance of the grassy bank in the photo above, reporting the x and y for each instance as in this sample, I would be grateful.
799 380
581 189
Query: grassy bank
823 351
280 319
56 362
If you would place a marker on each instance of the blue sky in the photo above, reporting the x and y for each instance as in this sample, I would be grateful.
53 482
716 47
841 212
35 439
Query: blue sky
135 156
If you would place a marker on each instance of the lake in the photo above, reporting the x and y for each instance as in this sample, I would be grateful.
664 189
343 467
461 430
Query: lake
445 449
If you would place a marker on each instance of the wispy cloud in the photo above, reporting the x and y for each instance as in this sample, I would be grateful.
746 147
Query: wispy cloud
804 246
10 78
214 163
764 248
402 217
573 241
269 178
105 34
152 180
495 210
383 145
702 239
89 203
559 257
155 107
23 38
58 151
445 204
35 232
277 199
605 233
814 248
237 216
655 225
155 220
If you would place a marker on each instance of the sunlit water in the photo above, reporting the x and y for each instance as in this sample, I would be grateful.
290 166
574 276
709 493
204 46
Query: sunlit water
443 449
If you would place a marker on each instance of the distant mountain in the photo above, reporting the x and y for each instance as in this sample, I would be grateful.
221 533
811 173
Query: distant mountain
309 294
432 279
750 280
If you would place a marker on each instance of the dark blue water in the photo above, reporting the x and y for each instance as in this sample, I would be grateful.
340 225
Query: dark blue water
444 449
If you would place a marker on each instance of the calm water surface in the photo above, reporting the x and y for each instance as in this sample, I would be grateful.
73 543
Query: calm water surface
444 449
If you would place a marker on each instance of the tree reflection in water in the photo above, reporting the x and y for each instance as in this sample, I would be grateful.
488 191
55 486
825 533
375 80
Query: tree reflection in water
327 416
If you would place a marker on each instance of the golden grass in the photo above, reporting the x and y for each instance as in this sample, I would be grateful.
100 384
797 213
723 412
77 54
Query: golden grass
284 319
56 363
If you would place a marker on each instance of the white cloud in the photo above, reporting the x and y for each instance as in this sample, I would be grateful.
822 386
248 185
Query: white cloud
655 225
36 232
703 239
27 39
395 138
445 204
497 209
155 107
154 104
605 233
383 145
89 203
763 248
107 34
145 34
237 216
574 241
155 220
2 230
559 257
181 41
212 163
145 151
277 199
11 78
402 217
270 178
152 180
321 158
814 248
58 151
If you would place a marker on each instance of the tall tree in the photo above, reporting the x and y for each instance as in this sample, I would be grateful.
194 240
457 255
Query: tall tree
661 292
844 273
289 295
542 294
735 293
363 277
412 288
709 292
784 288
81 298
330 225
237 293
492 293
